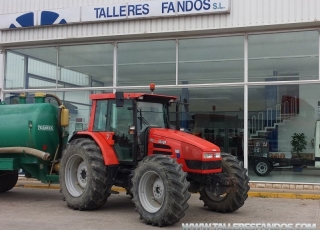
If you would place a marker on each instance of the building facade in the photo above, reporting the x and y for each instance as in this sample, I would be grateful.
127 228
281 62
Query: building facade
249 69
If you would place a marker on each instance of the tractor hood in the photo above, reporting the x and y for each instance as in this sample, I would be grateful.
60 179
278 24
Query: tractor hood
183 137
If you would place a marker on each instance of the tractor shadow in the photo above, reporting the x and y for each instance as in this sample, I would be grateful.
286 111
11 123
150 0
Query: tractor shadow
119 202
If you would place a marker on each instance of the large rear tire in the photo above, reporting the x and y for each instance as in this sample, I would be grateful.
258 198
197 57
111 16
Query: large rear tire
8 179
235 199
160 190
83 175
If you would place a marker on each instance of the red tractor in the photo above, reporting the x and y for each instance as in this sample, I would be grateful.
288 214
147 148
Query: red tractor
130 143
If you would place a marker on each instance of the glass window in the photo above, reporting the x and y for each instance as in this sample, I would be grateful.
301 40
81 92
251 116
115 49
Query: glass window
140 63
150 114
15 71
284 132
100 116
284 56
86 65
41 74
79 105
211 60
31 68
217 116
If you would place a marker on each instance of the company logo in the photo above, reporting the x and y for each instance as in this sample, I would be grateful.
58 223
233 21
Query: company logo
24 20
50 18
46 18
45 127
163 142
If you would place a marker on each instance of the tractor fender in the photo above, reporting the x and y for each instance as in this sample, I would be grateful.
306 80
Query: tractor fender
108 153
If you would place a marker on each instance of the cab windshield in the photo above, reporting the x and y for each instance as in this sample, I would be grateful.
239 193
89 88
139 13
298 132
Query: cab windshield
151 114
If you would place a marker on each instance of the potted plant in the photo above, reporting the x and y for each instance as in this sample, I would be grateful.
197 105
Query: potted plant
298 144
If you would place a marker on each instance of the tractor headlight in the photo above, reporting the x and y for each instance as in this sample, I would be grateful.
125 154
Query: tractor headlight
211 155
207 155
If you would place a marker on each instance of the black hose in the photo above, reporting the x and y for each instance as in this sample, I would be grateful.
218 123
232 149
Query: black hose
55 97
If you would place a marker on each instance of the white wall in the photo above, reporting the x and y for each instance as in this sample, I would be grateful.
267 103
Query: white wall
245 15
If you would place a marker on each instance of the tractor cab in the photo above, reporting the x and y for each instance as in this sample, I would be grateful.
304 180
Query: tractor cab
127 119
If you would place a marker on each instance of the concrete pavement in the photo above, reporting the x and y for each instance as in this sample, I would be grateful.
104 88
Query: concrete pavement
30 209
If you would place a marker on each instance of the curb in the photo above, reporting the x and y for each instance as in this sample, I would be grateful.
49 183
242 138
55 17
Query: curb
250 194
41 186
284 195
55 186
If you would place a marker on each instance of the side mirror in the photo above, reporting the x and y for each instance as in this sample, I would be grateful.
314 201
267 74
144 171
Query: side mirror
119 99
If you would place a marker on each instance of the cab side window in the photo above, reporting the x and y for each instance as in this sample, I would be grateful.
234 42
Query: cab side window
100 116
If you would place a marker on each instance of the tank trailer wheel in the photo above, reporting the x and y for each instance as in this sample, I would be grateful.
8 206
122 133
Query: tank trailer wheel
160 190
83 175
234 199
262 167
8 180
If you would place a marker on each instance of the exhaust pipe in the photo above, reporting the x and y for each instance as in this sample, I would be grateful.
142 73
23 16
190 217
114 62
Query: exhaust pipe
35 152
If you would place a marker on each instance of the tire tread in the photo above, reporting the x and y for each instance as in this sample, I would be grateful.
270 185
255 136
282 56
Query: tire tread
178 191
234 199
96 195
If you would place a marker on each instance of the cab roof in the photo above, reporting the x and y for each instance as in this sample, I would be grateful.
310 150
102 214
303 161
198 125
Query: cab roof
146 96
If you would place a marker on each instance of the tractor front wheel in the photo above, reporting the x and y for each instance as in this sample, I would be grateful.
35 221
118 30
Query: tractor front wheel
8 180
160 190
234 199
83 175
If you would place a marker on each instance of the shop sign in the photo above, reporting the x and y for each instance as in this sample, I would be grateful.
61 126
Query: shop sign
154 9
125 11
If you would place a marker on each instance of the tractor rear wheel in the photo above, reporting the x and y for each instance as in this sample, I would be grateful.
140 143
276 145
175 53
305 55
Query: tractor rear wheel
8 180
160 190
234 199
83 175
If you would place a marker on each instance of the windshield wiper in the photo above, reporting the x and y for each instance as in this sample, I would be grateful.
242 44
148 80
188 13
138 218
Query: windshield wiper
142 120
